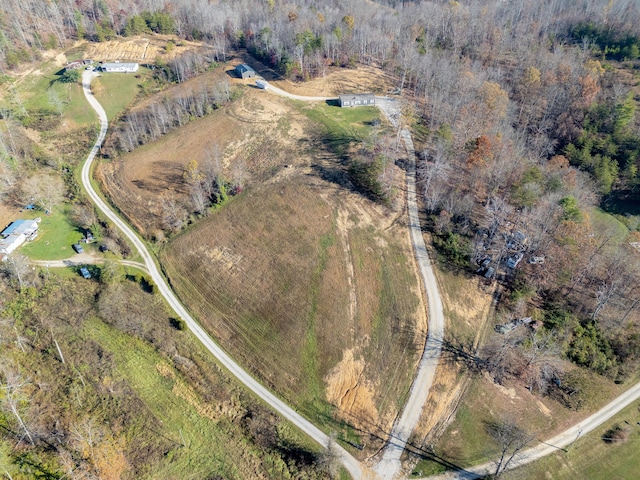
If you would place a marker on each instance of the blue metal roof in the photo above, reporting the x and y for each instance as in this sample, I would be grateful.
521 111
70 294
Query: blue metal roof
11 228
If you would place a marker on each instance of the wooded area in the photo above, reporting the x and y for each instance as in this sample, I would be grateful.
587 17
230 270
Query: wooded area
525 118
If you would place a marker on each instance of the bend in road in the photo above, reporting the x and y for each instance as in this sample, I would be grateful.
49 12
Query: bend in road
389 466
349 462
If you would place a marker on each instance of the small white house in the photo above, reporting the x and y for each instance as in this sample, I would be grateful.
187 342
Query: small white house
120 67
17 233
357 100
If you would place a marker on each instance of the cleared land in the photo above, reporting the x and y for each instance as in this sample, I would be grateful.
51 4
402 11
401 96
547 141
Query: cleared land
305 282
309 295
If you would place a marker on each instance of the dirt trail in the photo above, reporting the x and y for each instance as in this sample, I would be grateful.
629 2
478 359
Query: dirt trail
84 259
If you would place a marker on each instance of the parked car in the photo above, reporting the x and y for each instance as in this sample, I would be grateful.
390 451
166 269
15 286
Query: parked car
78 248
84 271
103 248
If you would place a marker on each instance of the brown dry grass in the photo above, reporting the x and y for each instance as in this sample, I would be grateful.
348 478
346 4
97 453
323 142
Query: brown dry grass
258 131
8 214
309 285
267 276
143 49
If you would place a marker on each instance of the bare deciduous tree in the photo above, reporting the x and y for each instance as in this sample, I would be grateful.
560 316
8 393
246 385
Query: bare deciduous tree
17 268
12 383
45 190
510 441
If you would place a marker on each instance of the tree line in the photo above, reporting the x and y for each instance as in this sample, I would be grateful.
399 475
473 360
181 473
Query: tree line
145 125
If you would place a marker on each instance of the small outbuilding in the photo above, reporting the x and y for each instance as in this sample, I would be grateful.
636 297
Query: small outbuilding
357 99
121 67
245 71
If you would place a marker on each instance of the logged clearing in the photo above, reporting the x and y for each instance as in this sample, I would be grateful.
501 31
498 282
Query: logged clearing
143 49
336 81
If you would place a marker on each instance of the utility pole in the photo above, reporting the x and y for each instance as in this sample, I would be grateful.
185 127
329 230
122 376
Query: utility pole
572 443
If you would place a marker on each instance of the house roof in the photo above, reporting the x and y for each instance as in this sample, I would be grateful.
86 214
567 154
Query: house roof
357 96
120 64
19 227
243 67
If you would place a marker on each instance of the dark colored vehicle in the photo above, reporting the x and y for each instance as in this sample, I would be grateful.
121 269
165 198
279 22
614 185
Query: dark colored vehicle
78 248
103 248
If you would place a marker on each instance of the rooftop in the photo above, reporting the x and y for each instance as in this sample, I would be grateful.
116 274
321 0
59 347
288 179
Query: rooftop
243 67
19 227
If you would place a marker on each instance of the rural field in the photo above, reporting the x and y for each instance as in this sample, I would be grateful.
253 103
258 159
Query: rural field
306 282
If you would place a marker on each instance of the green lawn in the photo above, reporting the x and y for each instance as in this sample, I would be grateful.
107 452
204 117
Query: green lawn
342 125
46 94
603 221
55 236
591 457
117 91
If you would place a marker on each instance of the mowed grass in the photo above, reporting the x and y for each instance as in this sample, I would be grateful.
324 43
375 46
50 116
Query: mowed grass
44 93
342 126
56 234
117 91
591 457
266 275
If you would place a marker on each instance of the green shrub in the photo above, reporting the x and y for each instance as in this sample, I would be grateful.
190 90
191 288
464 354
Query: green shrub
178 323
454 247
589 348
365 174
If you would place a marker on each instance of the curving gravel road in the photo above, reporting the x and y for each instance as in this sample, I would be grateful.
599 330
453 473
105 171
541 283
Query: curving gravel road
349 462
389 466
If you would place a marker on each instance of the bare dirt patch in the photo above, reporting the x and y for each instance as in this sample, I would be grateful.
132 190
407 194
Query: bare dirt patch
349 391
143 49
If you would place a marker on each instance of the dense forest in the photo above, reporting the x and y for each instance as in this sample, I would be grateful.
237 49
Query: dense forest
525 114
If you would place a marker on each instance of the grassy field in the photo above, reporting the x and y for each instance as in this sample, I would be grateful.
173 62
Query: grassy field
267 276
203 442
56 234
341 126
117 91
591 457
43 93
603 221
